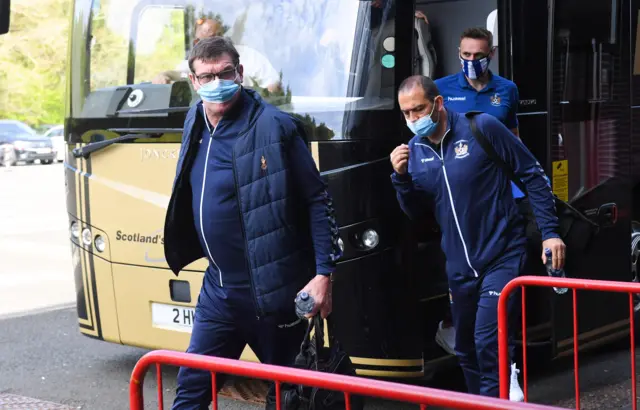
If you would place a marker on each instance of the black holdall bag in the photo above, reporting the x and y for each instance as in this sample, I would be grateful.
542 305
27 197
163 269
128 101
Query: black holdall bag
576 229
314 355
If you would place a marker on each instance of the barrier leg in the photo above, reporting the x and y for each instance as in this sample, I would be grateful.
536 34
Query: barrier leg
214 392
632 333
503 343
136 398
160 396
575 347
524 344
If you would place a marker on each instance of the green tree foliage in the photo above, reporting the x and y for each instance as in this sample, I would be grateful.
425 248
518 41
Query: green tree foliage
109 51
32 61
169 49
315 132
281 97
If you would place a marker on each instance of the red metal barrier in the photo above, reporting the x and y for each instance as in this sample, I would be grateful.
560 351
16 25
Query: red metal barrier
349 385
574 285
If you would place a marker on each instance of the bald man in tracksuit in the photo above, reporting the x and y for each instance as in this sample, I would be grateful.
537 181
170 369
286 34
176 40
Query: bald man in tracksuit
443 168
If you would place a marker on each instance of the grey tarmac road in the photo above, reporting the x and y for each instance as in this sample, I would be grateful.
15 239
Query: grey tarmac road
43 356
35 258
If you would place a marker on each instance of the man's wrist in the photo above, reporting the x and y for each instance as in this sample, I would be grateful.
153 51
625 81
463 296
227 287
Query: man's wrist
550 235
328 275
401 177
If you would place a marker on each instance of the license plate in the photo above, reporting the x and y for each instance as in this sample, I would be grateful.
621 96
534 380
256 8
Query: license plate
172 317
43 150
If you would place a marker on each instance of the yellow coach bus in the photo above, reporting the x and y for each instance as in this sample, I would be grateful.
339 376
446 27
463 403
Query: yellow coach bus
336 64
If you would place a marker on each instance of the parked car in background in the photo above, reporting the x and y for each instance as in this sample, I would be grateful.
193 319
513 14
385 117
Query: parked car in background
56 134
41 129
20 143
7 154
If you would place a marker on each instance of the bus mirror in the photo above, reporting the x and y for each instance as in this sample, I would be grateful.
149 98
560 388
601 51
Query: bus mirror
5 7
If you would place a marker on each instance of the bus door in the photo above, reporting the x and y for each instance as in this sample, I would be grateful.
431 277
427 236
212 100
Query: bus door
523 60
588 160
574 116
436 54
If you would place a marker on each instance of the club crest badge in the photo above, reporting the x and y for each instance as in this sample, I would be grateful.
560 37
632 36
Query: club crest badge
496 100
461 149
263 163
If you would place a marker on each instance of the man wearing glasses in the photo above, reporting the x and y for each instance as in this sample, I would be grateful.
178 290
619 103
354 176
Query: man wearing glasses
248 197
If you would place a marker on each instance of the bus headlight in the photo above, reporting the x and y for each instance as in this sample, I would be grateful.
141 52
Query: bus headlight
86 236
75 229
99 243
370 239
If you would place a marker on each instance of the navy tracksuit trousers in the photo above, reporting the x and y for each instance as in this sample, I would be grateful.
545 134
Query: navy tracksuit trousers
474 307
225 321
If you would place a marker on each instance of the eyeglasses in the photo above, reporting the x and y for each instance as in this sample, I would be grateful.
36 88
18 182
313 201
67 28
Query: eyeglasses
228 74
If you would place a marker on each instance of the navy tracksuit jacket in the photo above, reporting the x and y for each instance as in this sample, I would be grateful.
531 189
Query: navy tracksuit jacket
247 196
483 234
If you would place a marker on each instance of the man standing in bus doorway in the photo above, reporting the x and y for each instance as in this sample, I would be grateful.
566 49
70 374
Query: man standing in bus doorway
476 88
247 196
444 169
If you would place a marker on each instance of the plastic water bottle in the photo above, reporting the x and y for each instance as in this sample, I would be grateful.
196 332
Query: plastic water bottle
556 273
304 304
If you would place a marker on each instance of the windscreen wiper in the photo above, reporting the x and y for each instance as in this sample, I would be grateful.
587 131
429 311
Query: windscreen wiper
169 110
88 149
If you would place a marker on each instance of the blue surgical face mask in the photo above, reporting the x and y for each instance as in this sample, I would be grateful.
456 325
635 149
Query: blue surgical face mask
218 91
475 69
424 126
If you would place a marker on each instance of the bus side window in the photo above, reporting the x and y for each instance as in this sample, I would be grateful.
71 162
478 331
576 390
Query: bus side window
160 46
